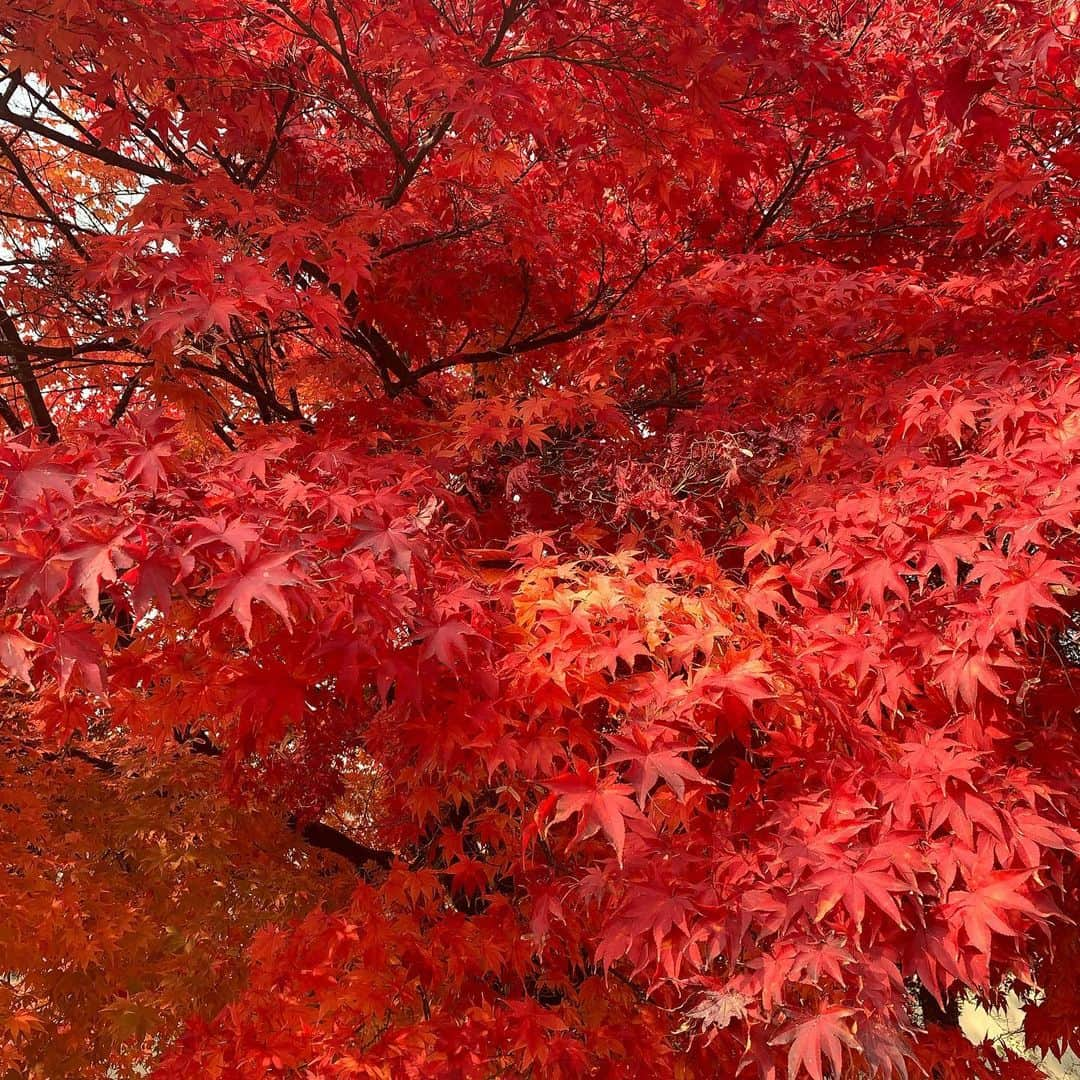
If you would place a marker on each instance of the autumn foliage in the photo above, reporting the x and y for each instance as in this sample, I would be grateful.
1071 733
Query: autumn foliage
537 538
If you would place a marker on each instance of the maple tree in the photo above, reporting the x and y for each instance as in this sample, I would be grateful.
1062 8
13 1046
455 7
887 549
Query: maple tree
537 538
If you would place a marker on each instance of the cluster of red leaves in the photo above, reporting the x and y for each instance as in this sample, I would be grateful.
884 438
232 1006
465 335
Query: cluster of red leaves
609 473
130 893
194 564
775 795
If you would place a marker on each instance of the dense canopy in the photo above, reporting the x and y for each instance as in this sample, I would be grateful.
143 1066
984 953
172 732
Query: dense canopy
538 538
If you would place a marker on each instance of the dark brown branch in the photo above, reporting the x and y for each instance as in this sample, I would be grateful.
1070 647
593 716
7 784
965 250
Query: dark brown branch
435 238
341 55
517 348
434 137
46 208
316 833
326 837
42 99
11 417
799 176
77 752
126 395
223 435
933 1013
590 317
611 65
275 142
365 95
64 352
511 13
94 150
24 374
871 15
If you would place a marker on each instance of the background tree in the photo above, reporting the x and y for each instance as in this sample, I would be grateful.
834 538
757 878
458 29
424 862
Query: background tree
537 539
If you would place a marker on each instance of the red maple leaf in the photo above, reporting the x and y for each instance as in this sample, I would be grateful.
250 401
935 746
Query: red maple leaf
983 908
15 649
856 885
822 1036
651 758
959 91
259 579
448 641
603 807
96 563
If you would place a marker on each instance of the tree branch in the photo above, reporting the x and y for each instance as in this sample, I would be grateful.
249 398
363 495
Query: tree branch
320 835
94 150
11 417
27 182
24 374
316 833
